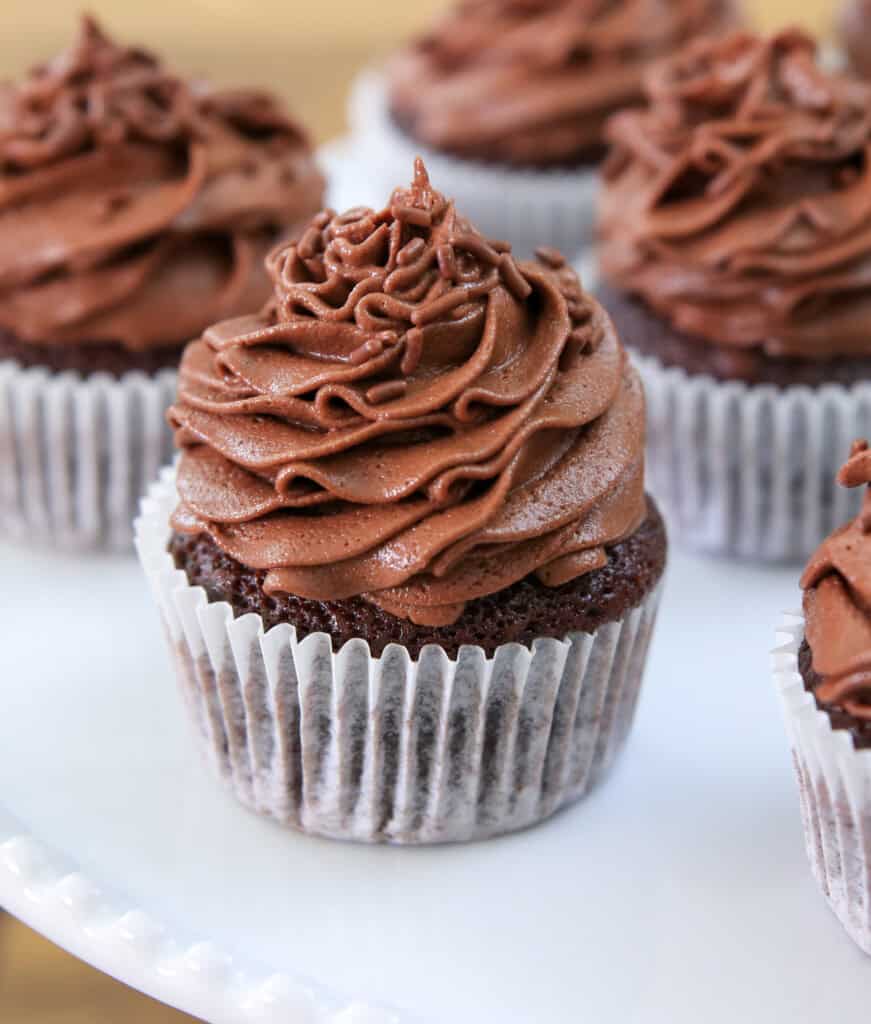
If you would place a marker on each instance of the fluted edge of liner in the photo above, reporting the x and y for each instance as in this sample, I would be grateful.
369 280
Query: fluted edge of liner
394 749
834 783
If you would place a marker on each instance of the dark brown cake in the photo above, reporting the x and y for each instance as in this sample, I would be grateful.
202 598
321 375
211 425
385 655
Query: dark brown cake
86 359
859 729
520 614
581 159
644 332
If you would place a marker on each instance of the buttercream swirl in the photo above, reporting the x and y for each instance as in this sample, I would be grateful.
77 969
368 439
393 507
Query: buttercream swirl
136 208
837 603
415 418
738 205
533 81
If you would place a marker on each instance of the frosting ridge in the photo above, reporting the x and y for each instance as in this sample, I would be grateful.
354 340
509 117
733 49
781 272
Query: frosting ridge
414 418
532 82
738 205
837 602
136 208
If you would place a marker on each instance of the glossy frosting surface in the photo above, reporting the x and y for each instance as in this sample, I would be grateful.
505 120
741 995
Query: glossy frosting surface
837 603
532 81
738 204
414 418
136 208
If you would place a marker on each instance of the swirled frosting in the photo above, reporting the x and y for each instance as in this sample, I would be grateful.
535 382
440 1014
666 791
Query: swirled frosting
415 418
738 205
837 603
533 81
135 208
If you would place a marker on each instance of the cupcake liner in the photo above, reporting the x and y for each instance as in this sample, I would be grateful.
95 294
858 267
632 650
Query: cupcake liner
76 454
750 470
389 749
529 208
834 781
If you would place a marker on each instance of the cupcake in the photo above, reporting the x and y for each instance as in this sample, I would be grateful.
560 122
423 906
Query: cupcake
407 567
136 210
508 100
824 677
735 257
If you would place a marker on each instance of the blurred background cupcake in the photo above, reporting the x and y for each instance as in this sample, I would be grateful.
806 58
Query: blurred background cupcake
420 472
507 101
135 208
823 673
735 257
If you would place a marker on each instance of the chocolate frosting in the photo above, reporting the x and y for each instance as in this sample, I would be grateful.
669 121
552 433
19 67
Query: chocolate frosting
135 208
532 82
837 603
415 418
738 206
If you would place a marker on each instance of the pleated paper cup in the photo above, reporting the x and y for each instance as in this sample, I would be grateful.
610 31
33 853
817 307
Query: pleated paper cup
393 749
834 781
750 470
77 453
529 208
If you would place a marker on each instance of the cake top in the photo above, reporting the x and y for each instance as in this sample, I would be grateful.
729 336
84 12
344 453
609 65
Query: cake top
837 602
530 82
738 204
414 418
129 196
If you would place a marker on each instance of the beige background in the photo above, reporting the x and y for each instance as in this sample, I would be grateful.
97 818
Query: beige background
309 51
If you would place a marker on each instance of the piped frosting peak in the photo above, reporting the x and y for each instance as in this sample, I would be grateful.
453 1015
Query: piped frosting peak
398 270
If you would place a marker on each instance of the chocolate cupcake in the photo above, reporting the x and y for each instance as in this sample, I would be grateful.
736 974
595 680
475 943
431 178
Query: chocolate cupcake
411 572
824 677
735 250
135 209
508 100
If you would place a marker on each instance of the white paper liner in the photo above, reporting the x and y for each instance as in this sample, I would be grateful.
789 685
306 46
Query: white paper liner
77 453
389 749
834 781
529 208
750 470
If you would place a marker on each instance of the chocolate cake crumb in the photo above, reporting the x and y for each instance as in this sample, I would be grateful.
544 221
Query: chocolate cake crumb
641 330
519 614
584 158
114 359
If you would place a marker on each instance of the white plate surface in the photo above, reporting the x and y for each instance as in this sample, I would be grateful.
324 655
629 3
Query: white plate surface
678 889
678 892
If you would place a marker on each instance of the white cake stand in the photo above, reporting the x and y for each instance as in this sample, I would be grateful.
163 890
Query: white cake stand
677 893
